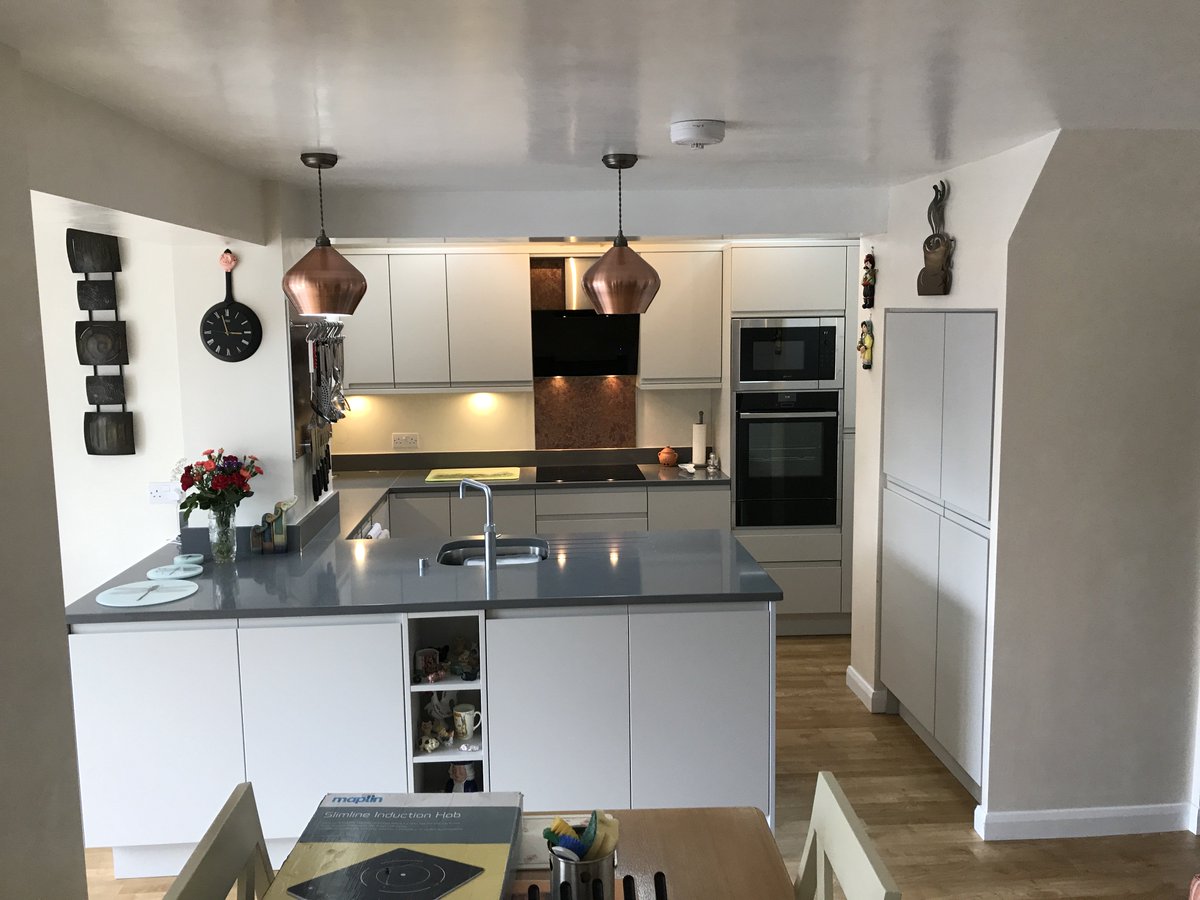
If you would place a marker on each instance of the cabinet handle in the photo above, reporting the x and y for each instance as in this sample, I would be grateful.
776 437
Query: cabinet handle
789 415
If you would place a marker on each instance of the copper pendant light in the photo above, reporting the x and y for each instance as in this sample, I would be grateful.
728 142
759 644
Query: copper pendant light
621 282
323 283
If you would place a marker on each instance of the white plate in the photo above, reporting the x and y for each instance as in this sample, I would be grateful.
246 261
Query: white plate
146 593
176 570
189 558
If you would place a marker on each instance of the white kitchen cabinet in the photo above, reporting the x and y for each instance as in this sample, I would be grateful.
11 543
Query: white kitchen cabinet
967 412
419 515
912 399
368 333
787 279
961 645
686 509
700 714
487 296
908 603
420 330
514 511
158 724
807 587
304 682
555 774
680 340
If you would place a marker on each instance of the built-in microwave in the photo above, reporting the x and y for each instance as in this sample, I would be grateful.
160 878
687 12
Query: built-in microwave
787 354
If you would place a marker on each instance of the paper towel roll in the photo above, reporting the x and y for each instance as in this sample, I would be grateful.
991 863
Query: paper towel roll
699 445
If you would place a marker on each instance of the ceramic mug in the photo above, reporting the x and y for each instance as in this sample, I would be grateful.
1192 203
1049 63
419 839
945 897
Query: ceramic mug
466 720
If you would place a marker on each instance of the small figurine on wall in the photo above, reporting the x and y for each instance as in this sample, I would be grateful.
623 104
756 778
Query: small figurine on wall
868 280
934 279
866 341
462 779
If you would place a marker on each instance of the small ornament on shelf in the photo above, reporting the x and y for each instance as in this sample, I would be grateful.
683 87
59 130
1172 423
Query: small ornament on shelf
868 280
462 779
866 341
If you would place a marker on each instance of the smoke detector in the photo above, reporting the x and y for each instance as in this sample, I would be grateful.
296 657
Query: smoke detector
697 133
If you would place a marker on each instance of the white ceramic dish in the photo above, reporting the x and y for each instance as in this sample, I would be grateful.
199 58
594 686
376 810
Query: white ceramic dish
146 593
189 559
176 570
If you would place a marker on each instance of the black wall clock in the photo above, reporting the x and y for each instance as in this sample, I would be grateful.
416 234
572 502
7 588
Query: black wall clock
230 330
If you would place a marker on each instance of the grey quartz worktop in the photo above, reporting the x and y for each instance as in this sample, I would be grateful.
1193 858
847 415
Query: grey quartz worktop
332 576
361 491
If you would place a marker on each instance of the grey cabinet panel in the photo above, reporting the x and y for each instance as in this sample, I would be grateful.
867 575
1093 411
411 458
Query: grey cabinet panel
514 512
419 516
690 508
847 521
914 344
961 642
908 604
970 365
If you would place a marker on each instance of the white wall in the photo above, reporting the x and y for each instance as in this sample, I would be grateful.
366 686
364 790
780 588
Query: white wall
365 215
244 407
497 421
1095 615
96 492
84 151
41 855
985 202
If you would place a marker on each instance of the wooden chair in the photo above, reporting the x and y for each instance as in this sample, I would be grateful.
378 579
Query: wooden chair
837 844
231 852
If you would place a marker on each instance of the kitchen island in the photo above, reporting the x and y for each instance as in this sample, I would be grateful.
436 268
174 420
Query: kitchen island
626 670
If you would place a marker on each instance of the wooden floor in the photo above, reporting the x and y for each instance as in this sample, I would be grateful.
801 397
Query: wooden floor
918 815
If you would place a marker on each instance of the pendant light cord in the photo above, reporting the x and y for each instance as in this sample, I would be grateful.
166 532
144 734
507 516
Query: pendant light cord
321 201
620 209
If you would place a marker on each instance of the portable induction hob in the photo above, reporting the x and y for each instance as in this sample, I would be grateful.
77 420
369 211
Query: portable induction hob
399 874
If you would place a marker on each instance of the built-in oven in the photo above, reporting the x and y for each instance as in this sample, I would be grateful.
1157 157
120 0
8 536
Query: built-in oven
787 458
787 354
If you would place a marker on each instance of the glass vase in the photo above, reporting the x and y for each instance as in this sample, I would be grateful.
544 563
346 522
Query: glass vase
222 536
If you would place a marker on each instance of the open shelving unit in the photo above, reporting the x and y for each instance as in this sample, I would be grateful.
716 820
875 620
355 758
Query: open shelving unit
428 772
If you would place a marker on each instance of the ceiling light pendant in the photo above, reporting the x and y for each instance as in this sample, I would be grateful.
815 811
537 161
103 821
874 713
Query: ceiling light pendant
323 283
620 282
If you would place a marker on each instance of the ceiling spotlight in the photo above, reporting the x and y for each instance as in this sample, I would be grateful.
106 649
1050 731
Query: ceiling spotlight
697 133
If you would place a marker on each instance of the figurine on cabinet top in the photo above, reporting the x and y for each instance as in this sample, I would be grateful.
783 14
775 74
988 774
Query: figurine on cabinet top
462 779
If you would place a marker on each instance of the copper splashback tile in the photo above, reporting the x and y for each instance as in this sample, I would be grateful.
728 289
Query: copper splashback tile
547 284
575 412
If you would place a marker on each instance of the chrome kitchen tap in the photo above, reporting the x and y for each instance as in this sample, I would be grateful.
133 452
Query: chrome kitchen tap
489 520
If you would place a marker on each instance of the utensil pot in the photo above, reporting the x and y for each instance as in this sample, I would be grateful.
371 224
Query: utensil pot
578 880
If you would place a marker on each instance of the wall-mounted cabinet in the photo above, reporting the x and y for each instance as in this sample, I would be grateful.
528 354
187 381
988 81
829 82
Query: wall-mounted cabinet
786 279
440 321
680 341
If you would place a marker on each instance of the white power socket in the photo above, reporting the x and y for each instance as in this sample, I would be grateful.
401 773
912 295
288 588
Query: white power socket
406 441
163 493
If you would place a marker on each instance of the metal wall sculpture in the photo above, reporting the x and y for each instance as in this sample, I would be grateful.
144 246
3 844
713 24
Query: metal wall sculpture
934 278
101 342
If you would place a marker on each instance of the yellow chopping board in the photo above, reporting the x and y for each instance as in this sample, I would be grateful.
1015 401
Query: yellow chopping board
494 473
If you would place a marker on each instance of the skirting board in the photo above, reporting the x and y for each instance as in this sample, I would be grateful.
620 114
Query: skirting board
792 625
876 700
1091 821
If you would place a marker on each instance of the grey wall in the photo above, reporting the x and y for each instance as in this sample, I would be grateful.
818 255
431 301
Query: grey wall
1095 612
363 215
41 854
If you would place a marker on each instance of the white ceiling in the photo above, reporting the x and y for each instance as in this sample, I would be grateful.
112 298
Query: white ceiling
500 94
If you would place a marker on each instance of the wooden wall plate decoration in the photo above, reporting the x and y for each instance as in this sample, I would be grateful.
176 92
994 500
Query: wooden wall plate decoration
90 252
94 295
101 344
108 433
106 390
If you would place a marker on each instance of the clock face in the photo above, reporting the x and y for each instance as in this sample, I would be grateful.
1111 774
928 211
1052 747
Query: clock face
231 331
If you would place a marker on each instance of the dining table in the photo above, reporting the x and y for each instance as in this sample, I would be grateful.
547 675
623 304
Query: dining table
720 853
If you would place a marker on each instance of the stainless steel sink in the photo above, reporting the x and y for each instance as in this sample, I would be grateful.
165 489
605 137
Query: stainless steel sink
510 551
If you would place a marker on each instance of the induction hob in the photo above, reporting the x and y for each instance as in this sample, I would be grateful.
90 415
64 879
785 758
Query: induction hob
571 474
399 874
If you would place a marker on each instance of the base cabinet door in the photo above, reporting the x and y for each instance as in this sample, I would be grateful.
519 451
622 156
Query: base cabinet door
307 690
514 511
961 641
416 515
688 508
908 604
807 587
587 765
700 709
158 725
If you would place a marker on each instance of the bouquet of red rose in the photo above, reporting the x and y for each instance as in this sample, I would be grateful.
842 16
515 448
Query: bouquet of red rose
218 482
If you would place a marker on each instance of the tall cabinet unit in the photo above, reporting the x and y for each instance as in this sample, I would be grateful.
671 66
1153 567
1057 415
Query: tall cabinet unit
937 462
